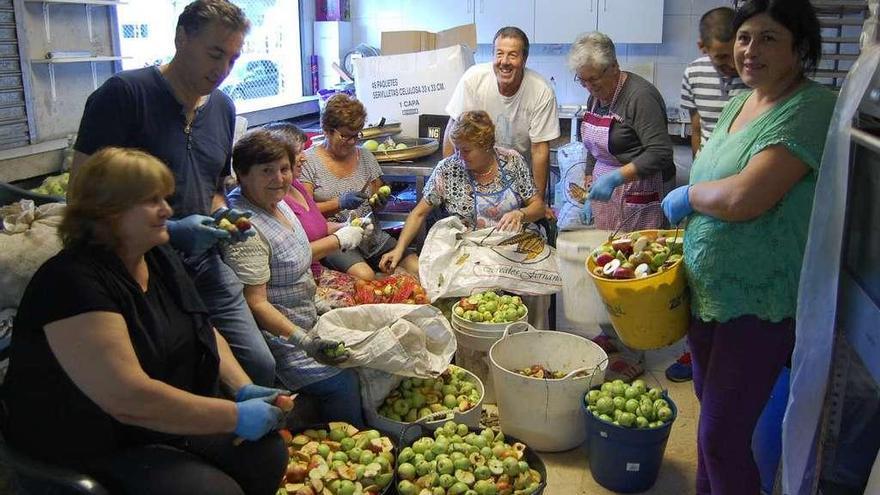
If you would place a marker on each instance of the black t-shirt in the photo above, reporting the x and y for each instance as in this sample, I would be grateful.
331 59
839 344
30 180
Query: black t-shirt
137 109
49 416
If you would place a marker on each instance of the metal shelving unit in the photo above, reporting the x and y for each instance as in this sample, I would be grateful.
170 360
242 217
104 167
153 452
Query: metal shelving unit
839 19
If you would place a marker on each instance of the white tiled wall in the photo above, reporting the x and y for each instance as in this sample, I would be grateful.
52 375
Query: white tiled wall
680 20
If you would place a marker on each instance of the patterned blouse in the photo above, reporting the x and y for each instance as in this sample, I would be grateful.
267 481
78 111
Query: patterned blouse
450 184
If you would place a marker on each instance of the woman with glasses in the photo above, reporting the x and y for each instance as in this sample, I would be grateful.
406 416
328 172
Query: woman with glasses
340 176
625 133
630 154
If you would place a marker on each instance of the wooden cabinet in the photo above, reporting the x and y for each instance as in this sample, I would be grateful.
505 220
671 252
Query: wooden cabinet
492 15
562 20
631 21
624 21
431 15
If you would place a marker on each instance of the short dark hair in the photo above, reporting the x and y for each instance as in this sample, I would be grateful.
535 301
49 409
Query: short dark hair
200 13
797 16
514 32
259 146
288 130
717 25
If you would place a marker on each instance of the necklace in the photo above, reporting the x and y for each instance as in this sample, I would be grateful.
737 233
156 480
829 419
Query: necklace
483 174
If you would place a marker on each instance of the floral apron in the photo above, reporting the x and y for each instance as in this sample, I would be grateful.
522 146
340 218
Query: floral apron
633 205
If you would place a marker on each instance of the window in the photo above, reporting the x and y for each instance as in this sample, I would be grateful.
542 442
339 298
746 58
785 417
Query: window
267 75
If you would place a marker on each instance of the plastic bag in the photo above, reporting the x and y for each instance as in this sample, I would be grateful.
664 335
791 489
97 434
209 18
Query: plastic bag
573 186
334 290
29 238
457 262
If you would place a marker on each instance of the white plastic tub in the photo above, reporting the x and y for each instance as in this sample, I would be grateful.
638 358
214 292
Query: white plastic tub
545 414
474 341
471 417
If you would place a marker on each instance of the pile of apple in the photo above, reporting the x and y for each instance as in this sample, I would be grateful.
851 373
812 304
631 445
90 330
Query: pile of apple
629 406
540 372
240 225
396 289
381 196
458 461
55 185
490 307
414 398
343 461
387 145
637 255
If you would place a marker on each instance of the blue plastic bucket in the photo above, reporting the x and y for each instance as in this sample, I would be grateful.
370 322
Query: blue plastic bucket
626 460
767 439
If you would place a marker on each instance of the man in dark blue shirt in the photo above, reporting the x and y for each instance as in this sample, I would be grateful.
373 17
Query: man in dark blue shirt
176 113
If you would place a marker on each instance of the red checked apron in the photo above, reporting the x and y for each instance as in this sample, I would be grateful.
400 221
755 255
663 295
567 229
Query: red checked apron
633 205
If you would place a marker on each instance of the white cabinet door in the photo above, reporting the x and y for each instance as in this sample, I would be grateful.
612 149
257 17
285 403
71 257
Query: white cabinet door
631 21
492 15
561 21
431 15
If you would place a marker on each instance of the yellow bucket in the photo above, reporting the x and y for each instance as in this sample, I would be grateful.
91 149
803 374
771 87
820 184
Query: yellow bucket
647 313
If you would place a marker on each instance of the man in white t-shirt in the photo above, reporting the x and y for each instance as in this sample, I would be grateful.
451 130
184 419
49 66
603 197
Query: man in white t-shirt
519 100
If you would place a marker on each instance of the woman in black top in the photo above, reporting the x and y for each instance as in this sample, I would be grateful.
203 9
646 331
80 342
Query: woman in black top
115 369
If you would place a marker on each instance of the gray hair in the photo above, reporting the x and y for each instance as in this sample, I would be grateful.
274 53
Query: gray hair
595 50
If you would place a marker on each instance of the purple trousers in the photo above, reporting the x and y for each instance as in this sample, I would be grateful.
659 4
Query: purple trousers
736 364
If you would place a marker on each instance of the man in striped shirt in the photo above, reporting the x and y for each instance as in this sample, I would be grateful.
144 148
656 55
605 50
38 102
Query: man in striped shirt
710 80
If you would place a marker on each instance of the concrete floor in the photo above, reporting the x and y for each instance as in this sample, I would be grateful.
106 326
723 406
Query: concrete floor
568 473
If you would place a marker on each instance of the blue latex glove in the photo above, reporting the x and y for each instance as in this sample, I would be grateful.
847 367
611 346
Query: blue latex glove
351 200
677 204
256 417
234 215
194 234
605 185
587 213
251 391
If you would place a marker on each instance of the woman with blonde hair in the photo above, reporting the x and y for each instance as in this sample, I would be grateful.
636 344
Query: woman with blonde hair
115 369
483 184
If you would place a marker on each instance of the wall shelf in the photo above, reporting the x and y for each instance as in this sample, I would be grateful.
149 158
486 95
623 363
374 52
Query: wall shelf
79 2
74 60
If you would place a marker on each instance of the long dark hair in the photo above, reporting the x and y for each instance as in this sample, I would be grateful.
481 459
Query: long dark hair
798 16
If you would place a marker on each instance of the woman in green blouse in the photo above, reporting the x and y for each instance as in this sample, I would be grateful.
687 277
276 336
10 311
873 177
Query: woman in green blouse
749 202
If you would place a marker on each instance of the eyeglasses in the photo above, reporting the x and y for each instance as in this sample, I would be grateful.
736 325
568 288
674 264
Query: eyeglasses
349 138
590 80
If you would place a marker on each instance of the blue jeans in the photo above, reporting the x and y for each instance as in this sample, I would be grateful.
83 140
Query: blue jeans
339 398
223 295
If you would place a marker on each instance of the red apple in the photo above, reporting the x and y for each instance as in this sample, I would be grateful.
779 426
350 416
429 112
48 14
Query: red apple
603 258
284 402
243 224
611 267
623 273
623 244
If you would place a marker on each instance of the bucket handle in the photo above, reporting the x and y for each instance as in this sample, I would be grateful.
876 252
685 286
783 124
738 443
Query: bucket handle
421 424
595 369
520 326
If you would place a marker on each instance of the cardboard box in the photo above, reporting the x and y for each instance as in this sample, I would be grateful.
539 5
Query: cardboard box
402 87
397 42
332 10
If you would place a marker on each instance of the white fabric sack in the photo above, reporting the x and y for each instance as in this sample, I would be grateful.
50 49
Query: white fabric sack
29 238
404 339
457 262
571 190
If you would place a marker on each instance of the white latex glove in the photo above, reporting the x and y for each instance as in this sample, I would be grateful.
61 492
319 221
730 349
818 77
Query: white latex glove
349 237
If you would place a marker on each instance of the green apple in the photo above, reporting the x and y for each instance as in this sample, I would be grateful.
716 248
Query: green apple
371 145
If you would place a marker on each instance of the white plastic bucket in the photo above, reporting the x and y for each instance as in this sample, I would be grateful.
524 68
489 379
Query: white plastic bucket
474 341
545 414
581 303
471 417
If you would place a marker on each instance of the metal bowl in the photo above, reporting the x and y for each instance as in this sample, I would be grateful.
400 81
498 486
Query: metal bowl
416 148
